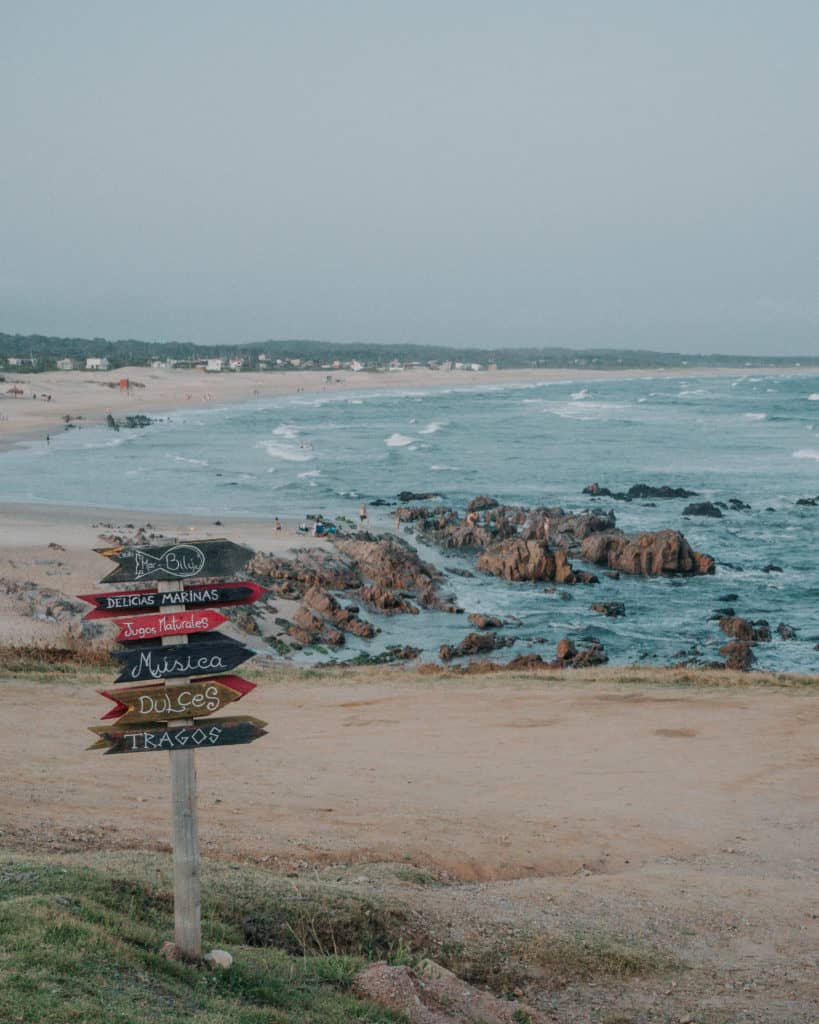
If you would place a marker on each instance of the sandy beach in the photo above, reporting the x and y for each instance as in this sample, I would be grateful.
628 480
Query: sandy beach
91 395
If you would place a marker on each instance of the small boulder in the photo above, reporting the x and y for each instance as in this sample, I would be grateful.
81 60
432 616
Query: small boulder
485 621
738 655
481 504
218 959
612 609
566 650
702 508
785 631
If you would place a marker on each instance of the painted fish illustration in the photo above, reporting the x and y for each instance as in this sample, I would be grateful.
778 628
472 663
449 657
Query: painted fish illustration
180 561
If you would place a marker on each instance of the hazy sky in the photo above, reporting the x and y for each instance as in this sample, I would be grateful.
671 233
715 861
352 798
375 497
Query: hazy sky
599 173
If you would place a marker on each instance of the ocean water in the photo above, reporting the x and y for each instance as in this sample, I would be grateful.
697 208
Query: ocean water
752 438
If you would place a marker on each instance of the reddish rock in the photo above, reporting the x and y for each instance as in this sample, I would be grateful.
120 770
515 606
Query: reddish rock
566 650
325 605
386 600
527 661
474 643
516 559
481 504
646 554
738 655
308 628
593 654
485 621
742 629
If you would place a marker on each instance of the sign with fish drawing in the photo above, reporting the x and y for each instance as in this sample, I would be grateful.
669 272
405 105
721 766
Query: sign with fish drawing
135 602
176 561
181 665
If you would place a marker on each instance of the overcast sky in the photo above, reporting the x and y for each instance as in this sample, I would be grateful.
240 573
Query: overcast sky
599 173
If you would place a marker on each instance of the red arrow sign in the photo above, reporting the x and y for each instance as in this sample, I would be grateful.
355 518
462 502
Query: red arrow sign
136 602
149 627
151 702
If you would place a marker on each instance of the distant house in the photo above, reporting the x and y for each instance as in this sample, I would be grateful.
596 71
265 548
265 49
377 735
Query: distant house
262 357
96 363
65 364
21 361
214 366
355 366
236 364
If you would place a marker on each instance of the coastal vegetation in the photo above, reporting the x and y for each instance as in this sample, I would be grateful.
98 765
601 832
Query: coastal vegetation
35 353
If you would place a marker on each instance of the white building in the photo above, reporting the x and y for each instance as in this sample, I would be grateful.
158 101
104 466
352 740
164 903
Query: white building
22 361
236 364
65 364
96 363
213 366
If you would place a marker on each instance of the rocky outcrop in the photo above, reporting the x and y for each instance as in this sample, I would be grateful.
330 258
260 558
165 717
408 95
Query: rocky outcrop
387 601
474 643
738 655
590 654
308 628
328 608
485 621
481 504
702 508
745 630
390 564
417 496
528 560
612 609
291 577
639 491
785 631
646 554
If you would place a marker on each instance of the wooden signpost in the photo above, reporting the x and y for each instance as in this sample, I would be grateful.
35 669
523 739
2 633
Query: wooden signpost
136 602
167 649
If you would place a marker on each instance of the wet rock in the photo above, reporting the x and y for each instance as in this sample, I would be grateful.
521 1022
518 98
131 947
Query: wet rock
390 602
417 496
807 501
588 656
566 650
485 621
702 508
308 628
744 630
526 661
597 491
738 655
390 564
647 491
475 643
612 609
738 506
785 631
345 619
646 554
728 598
481 504
770 567
721 613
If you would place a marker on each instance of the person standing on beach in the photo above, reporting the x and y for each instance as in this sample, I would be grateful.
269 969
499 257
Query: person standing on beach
362 515
277 526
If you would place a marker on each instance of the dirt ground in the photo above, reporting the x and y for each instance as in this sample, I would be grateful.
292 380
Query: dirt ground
675 819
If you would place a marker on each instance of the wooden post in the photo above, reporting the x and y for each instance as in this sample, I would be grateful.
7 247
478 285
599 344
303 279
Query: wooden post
186 870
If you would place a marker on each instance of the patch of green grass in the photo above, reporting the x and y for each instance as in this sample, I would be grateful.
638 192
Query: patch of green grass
78 944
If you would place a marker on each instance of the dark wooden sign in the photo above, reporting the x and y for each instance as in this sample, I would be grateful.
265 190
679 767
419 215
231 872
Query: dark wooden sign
181 561
206 655
213 732
154 627
135 602
156 702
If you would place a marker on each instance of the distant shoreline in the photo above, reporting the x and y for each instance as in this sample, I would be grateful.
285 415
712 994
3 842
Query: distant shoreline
88 396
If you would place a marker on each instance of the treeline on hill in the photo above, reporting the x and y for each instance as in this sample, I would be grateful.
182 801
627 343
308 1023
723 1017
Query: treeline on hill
130 352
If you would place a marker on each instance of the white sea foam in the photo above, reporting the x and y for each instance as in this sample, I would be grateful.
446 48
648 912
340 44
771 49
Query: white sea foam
356 401
807 453
446 469
288 452
286 430
584 410
431 428
192 462
814 397
578 396
398 441
308 473
105 444
756 415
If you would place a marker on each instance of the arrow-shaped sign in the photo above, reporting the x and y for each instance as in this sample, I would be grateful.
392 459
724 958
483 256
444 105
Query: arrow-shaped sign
213 732
136 602
206 655
182 561
154 627
155 702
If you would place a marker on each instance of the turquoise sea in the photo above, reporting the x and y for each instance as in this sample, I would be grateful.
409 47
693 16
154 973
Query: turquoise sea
751 438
